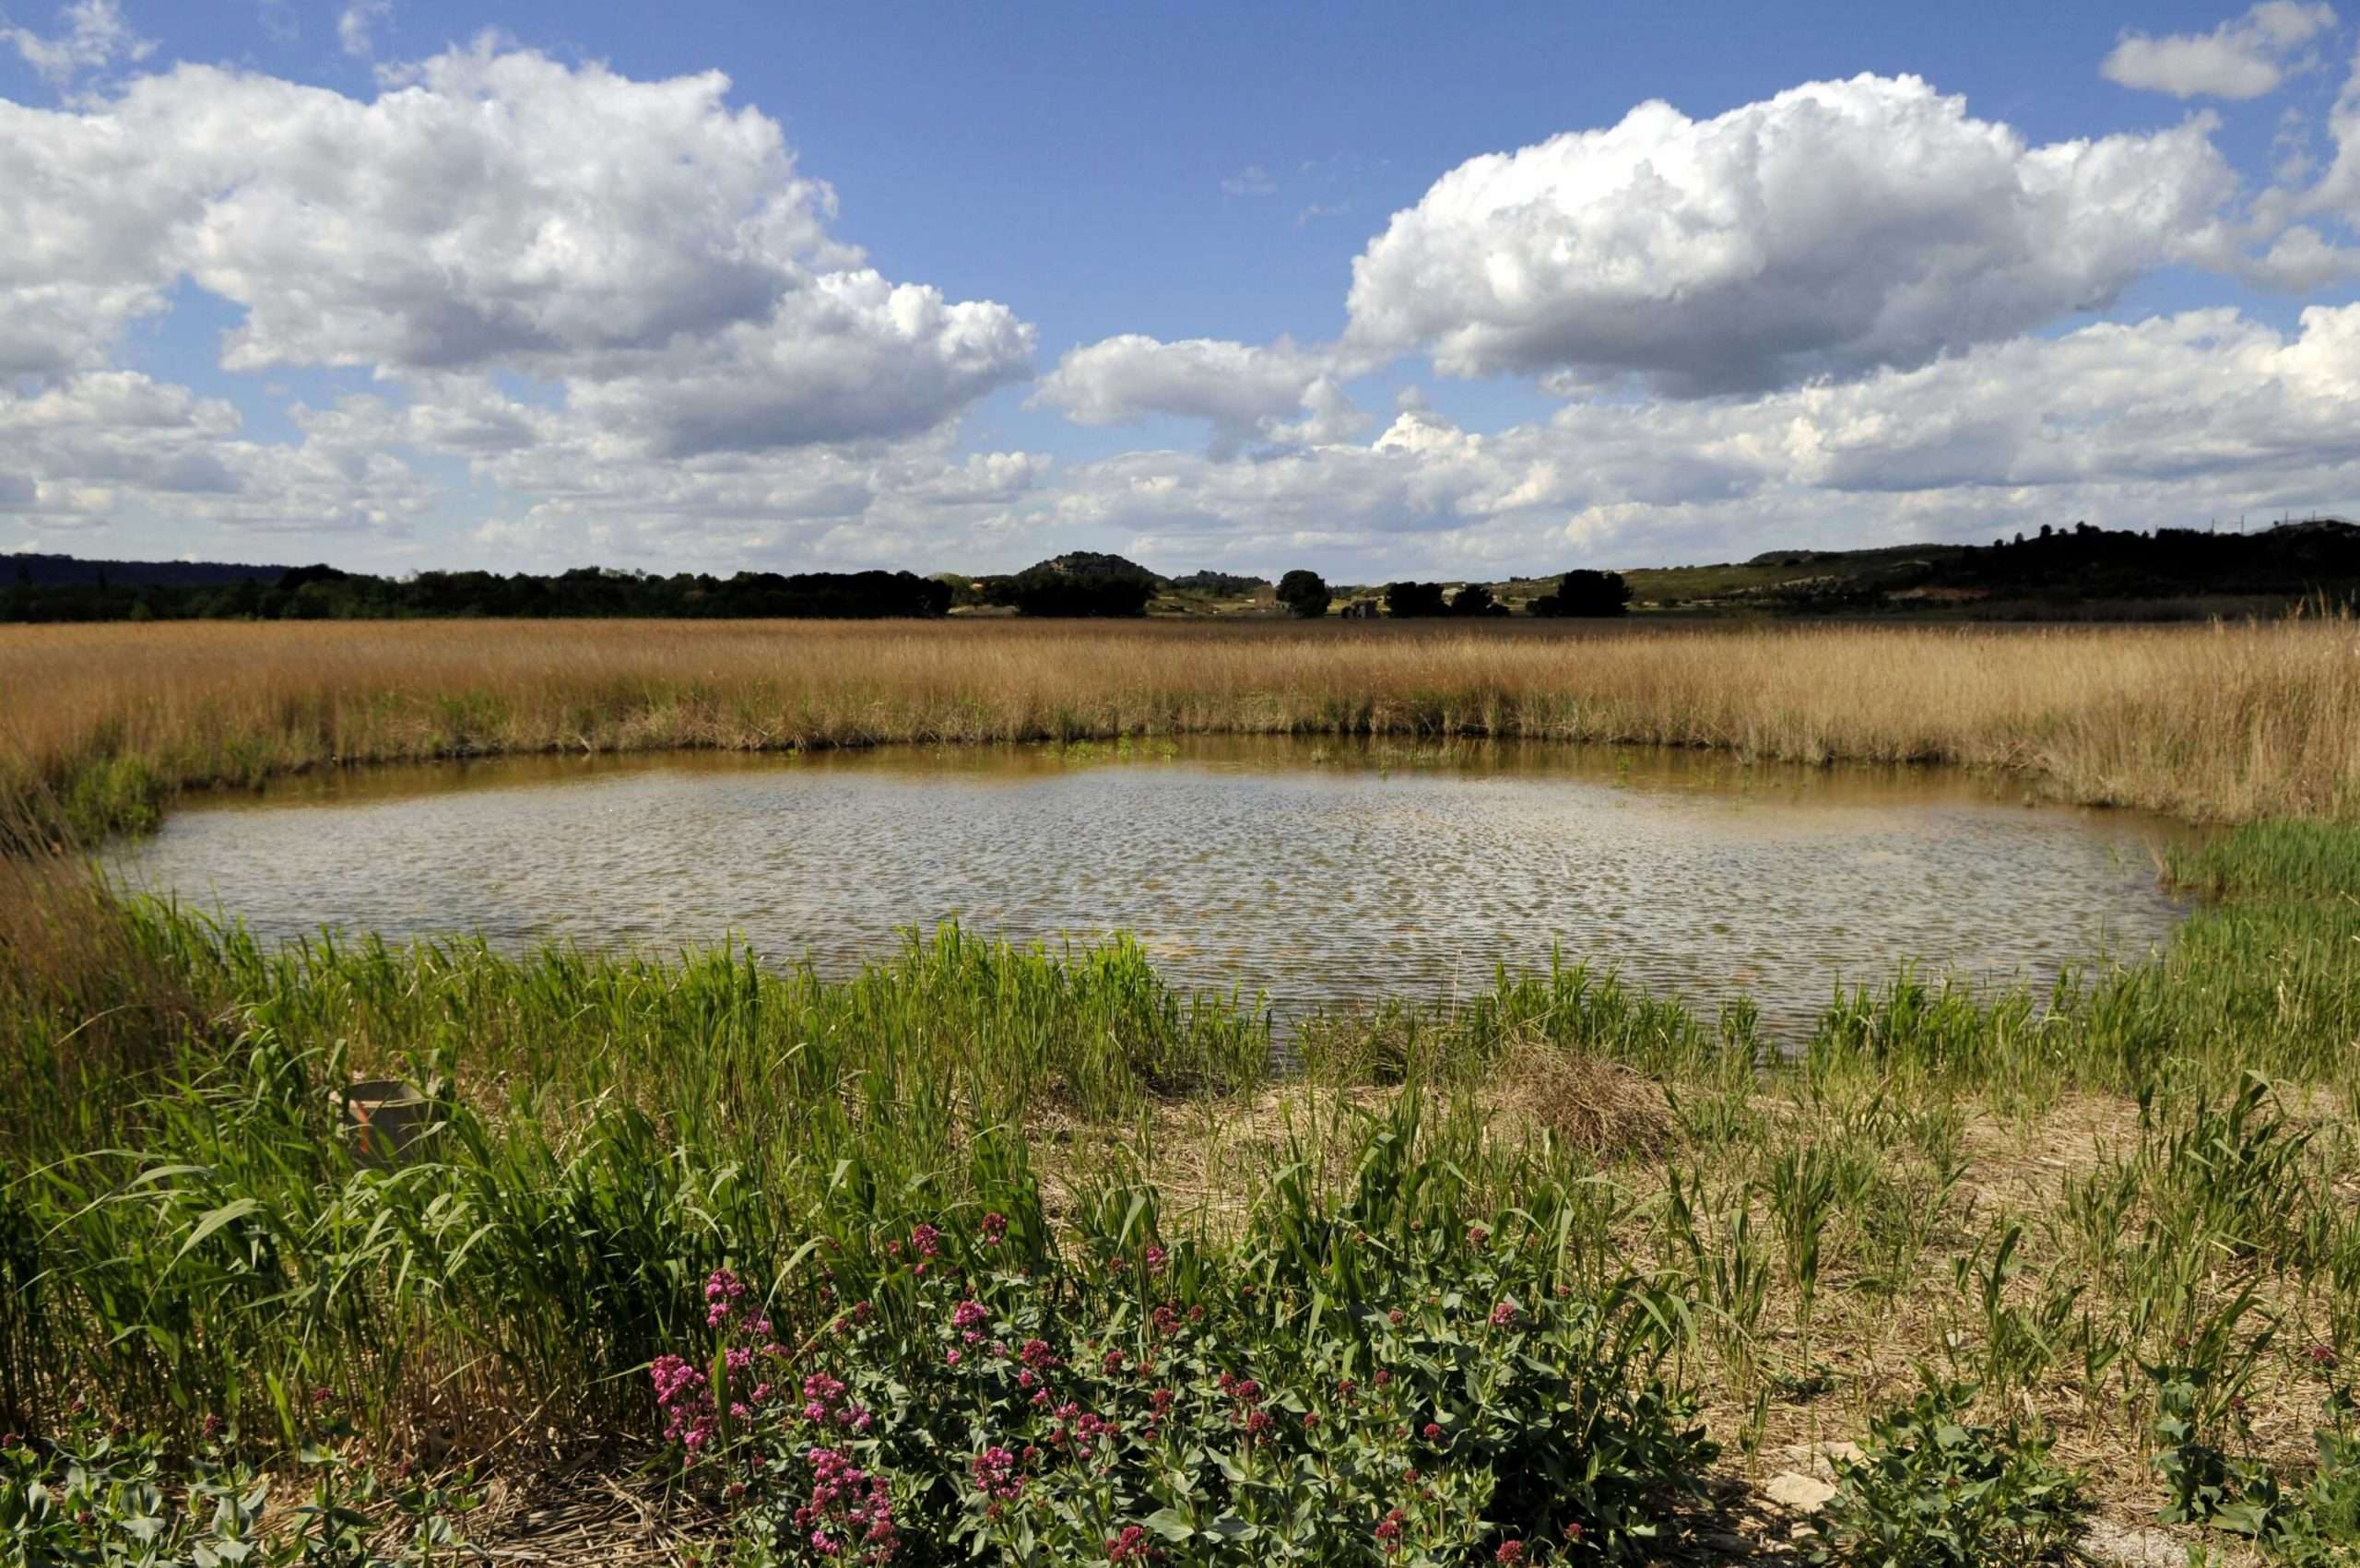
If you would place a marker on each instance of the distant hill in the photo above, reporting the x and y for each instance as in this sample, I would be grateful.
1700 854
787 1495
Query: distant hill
1089 566
2078 570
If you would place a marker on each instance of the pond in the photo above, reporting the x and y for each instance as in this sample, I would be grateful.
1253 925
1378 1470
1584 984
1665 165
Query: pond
1311 870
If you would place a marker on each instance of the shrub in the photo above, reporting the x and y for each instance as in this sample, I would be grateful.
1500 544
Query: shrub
1930 1491
2316 1524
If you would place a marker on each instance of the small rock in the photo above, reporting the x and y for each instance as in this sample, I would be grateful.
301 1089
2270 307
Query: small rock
2111 1543
1798 1492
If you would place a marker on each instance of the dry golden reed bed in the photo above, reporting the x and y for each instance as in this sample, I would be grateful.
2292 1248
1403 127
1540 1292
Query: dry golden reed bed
2227 721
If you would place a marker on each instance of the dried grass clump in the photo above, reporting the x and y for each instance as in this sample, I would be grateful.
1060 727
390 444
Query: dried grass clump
1602 1108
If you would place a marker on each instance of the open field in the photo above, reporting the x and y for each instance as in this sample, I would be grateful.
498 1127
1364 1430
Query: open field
1563 1267
2223 722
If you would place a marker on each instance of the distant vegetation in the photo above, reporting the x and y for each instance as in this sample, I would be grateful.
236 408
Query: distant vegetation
2081 572
1408 601
1081 584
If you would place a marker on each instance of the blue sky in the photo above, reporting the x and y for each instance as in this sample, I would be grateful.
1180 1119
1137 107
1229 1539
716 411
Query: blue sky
1527 379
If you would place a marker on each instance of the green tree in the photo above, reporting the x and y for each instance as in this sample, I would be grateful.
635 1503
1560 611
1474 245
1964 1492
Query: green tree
1304 593
1474 599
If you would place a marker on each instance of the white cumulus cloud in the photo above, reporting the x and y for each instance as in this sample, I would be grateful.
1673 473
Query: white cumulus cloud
90 36
2243 58
646 253
355 26
1274 392
1831 229
488 209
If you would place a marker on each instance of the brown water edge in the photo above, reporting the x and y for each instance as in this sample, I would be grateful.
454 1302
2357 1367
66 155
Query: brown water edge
1315 870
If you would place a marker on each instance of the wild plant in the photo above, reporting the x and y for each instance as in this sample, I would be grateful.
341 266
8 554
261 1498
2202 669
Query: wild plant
2018 1342
2201 1388
1730 1266
2234 1178
1931 1491
91 1497
1804 1189
1898 1214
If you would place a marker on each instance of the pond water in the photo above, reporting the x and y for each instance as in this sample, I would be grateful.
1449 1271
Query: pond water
1313 870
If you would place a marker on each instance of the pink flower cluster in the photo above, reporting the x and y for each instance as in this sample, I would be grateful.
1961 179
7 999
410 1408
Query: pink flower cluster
1247 1397
849 1507
997 1476
722 1289
824 1402
681 1393
1131 1546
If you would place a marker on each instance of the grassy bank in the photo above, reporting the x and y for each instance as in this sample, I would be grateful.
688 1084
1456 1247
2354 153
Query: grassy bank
2123 1219
104 723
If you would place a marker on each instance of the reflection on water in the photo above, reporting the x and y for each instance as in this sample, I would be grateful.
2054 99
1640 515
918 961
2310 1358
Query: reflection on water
1312 869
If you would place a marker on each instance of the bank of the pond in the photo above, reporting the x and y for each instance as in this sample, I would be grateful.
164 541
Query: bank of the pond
2125 1219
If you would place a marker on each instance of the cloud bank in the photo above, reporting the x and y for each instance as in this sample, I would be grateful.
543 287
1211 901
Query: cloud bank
599 318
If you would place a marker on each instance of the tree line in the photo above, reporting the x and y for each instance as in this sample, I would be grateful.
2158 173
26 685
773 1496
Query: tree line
1580 593
323 592
1070 586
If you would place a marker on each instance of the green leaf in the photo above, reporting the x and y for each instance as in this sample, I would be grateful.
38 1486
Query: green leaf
213 1221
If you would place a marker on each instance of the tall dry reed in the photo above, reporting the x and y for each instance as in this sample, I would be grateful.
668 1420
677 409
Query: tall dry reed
2225 721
